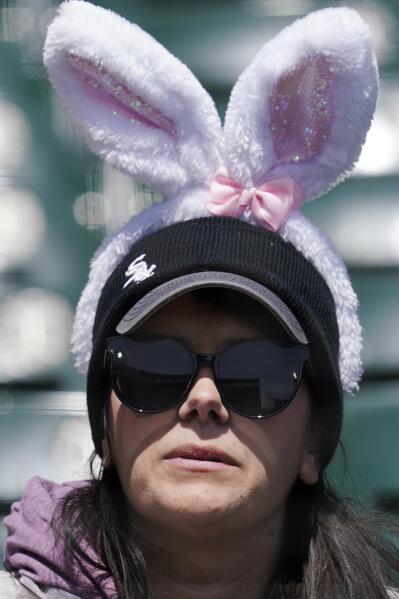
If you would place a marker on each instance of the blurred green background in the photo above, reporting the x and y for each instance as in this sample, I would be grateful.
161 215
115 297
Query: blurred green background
57 202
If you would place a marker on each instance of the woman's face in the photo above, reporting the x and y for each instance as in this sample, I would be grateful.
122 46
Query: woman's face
267 455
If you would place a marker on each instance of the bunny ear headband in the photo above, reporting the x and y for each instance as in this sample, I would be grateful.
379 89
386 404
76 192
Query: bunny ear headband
294 127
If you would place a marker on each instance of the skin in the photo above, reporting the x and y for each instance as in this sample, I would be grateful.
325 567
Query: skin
219 532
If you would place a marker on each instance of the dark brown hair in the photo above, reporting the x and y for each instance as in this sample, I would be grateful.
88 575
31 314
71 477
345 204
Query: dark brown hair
331 547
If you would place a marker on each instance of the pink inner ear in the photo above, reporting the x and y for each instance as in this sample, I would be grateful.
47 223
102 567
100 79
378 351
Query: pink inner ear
301 110
104 86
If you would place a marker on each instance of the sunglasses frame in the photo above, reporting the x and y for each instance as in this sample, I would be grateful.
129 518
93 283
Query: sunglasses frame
197 361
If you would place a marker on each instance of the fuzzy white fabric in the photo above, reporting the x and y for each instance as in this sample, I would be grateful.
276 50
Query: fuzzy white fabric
181 168
142 64
342 36
313 244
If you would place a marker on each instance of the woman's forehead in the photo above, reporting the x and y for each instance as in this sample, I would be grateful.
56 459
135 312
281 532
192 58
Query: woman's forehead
221 308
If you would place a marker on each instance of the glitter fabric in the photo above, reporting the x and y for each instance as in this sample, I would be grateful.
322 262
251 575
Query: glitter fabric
301 110
115 94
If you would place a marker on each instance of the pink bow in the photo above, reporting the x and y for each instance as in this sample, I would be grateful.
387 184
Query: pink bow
270 204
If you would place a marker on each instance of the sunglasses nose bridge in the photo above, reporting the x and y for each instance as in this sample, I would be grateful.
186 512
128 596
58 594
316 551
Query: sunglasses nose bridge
205 359
203 397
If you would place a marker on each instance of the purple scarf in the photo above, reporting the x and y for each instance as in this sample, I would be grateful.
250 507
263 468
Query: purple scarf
33 549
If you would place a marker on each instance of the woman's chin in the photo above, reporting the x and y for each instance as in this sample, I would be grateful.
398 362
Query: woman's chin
192 504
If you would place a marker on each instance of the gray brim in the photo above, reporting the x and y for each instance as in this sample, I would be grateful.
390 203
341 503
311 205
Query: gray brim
161 295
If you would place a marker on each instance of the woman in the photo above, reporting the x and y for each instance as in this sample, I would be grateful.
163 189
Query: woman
218 330
201 497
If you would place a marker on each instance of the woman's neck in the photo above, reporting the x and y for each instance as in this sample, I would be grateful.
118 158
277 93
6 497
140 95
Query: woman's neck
233 566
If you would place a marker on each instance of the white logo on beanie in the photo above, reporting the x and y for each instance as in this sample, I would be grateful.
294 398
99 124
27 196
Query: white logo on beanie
138 270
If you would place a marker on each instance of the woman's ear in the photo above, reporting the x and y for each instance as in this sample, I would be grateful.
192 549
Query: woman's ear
107 458
106 461
310 469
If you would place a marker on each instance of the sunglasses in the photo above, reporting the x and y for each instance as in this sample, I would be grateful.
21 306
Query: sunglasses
256 378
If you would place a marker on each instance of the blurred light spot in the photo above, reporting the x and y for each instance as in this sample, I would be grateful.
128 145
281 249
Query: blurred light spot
380 154
88 210
14 138
123 198
22 226
393 238
278 8
35 328
367 235
15 23
70 449
383 26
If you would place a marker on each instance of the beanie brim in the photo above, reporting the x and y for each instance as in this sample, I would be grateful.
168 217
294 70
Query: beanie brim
161 295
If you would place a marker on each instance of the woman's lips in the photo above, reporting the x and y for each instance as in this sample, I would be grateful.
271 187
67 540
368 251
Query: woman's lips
200 459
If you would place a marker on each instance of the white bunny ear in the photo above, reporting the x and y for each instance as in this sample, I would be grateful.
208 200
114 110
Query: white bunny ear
303 106
138 106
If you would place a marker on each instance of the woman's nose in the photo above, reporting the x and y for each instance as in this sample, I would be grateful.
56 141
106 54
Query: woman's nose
203 400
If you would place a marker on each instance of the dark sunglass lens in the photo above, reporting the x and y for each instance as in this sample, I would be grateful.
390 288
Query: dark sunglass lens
259 378
150 375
